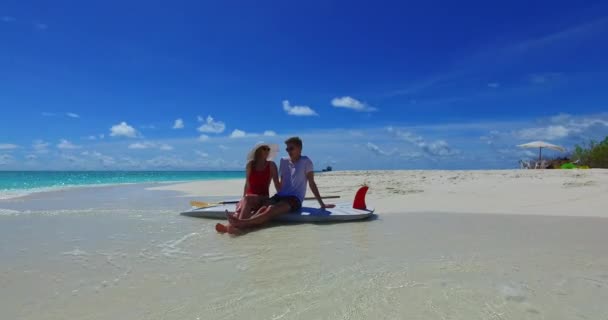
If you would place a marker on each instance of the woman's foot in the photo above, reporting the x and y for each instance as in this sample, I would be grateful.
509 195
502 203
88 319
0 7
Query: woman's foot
220 228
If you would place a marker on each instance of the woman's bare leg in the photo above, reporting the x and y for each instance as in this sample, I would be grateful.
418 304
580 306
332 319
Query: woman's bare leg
263 215
239 207
249 202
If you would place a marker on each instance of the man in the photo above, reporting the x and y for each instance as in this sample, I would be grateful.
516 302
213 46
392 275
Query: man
294 173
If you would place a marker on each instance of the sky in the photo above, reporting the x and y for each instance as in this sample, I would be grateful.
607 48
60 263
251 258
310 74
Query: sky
193 85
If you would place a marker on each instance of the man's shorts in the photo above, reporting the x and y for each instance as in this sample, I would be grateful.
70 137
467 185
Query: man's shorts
293 201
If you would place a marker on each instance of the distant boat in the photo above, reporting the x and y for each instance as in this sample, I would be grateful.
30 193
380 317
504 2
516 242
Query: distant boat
329 168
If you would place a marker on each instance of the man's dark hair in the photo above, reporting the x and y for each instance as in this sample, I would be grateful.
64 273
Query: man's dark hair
294 140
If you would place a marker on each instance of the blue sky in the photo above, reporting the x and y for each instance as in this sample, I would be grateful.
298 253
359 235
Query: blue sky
368 85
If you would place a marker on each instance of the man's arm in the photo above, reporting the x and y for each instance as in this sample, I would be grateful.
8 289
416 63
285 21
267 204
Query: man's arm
310 176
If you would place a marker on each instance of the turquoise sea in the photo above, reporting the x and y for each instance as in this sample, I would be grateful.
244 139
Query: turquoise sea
20 182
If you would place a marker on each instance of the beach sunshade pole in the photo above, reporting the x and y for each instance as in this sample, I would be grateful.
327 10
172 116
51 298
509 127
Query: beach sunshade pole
540 145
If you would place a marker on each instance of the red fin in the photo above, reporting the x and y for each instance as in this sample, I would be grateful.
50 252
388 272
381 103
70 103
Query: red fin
359 202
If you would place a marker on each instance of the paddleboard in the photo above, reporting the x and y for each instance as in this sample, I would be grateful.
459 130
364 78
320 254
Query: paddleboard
310 212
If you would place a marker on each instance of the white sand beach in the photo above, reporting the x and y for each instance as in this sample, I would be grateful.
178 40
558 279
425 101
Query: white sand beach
533 192
513 244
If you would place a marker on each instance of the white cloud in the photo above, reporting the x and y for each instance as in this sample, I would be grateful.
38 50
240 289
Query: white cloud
577 124
150 145
123 130
166 162
203 137
544 133
417 147
407 136
377 150
560 118
129 162
65 144
238 134
7 19
67 114
165 147
439 148
141 145
435 148
95 137
269 133
8 146
103 159
179 124
565 125
351 103
211 126
202 154
40 146
491 137
298 110
31 157
494 85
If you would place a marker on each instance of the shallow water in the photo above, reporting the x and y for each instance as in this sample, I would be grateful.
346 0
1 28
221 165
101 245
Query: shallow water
19 183
136 259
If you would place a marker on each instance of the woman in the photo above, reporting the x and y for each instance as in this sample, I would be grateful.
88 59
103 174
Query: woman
260 170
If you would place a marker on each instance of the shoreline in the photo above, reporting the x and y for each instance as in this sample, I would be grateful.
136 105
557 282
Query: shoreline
521 192
9 194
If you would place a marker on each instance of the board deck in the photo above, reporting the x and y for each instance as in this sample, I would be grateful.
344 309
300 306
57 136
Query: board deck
310 212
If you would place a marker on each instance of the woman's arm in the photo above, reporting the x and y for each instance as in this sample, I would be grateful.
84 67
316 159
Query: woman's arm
247 173
274 173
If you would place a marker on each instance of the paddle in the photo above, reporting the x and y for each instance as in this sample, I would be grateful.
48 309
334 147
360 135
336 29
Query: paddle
202 204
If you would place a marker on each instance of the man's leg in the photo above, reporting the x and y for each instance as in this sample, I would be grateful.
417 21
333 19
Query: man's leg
264 215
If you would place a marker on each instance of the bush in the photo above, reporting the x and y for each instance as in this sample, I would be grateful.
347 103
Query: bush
595 155
556 163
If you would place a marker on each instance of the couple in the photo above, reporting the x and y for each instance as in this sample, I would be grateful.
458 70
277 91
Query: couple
256 208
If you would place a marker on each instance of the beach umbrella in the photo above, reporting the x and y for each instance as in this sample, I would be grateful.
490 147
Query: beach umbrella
540 145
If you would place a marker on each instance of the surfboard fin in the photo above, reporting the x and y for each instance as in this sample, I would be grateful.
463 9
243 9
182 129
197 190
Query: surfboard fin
359 202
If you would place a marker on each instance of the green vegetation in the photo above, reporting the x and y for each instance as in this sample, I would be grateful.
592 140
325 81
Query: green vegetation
595 155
